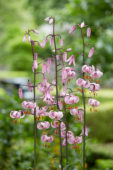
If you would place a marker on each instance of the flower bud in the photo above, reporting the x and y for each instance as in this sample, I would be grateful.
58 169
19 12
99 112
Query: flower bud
88 32
24 38
61 42
72 29
35 31
20 93
82 25
91 52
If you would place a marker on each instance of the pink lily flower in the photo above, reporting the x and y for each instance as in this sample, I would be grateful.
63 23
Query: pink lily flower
20 93
82 25
70 134
55 115
35 56
63 133
40 111
43 125
51 41
48 98
55 124
77 112
63 126
54 82
71 99
94 87
35 31
72 29
71 140
51 21
29 84
88 32
29 38
80 82
64 93
71 74
80 114
64 75
28 105
42 45
61 42
46 138
96 74
44 86
69 49
64 57
74 112
47 19
64 142
67 73
93 102
78 139
88 69
16 114
60 105
71 60
86 84
91 52
24 38
35 65
46 66
86 133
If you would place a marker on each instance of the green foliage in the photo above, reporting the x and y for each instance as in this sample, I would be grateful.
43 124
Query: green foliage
44 8
98 15
97 122
105 164
101 125
13 23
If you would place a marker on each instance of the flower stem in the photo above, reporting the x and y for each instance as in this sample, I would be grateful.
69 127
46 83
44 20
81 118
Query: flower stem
35 128
56 71
66 122
34 99
84 104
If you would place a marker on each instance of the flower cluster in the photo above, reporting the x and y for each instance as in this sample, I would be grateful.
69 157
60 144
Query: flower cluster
89 76
64 99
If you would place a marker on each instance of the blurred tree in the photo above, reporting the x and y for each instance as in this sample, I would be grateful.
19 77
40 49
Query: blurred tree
98 15
44 8
25 14
15 18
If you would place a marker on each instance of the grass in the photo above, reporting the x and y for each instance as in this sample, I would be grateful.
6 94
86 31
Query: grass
105 164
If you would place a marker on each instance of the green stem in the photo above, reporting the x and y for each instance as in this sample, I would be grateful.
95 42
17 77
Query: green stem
84 105
66 122
35 127
34 99
56 71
